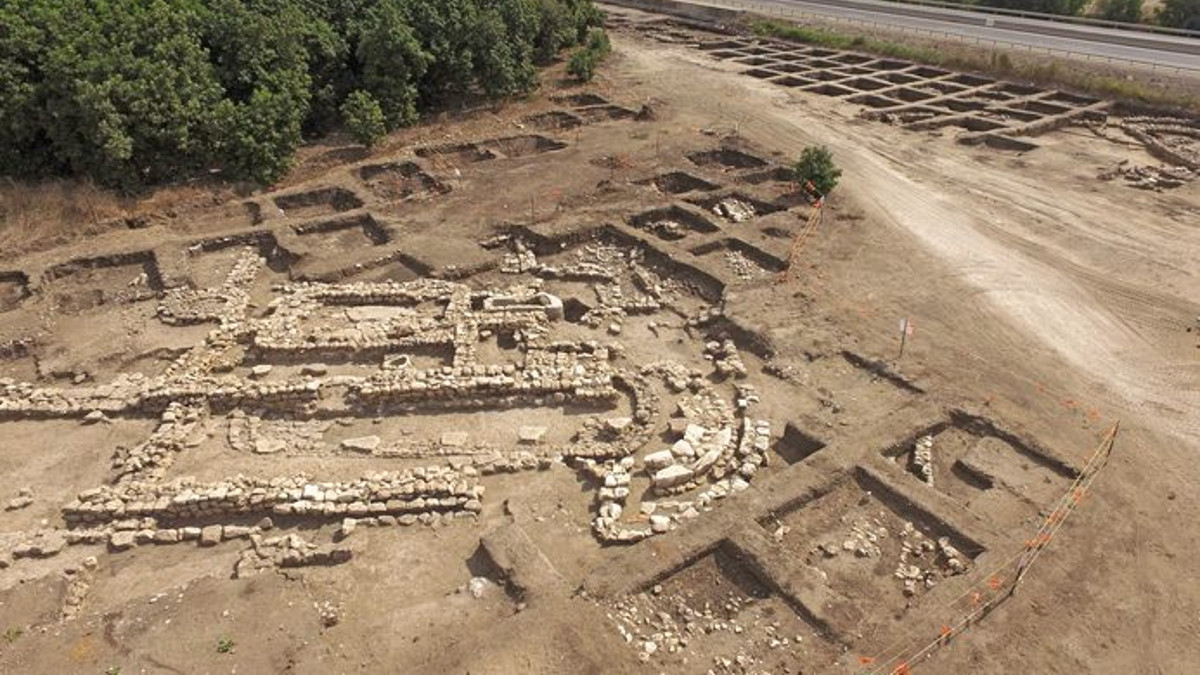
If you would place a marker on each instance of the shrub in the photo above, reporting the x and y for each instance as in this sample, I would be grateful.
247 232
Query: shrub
1180 14
363 118
816 166
585 59
1129 11
582 64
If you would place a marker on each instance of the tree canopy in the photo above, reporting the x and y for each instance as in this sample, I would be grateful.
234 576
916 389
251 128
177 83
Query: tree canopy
132 92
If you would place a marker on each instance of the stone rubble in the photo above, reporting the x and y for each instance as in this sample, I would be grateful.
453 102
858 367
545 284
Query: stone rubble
922 459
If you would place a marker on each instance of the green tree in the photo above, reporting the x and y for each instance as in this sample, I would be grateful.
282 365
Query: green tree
445 31
258 49
501 66
391 62
1180 14
582 64
556 30
816 166
364 118
1129 11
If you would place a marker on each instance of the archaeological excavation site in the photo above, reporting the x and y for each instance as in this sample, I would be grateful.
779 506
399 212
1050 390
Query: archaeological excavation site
589 381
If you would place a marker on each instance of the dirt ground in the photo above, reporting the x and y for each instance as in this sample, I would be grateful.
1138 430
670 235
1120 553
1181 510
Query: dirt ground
1046 304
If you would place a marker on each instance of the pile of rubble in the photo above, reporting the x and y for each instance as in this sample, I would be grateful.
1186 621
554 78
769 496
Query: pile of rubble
734 209
922 459
1156 178
725 357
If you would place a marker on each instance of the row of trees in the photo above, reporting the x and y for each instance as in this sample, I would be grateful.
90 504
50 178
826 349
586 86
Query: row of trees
1172 13
131 92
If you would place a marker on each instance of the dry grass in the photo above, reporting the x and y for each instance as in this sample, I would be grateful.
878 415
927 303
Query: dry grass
51 211
38 215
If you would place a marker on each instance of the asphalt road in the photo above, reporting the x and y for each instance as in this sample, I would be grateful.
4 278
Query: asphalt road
1091 41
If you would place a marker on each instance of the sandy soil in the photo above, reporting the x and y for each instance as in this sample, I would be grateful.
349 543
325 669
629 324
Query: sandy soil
1041 297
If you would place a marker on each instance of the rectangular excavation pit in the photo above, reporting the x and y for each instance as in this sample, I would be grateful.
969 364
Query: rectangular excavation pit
854 70
897 78
873 101
746 261
925 72
396 181
852 59
678 182
735 207
855 533
346 232
84 283
761 73
754 61
601 113
824 76
889 64
757 51
455 153
991 95
822 53
792 81
1018 89
580 100
823 64
997 474
790 68
14 287
1041 107
552 120
796 445
672 223
726 157
716 589
524 145
910 95
972 80
826 89
779 174
317 202
726 54
865 84
962 105
278 258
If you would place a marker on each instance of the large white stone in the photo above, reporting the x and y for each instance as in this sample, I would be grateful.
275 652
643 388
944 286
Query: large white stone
657 460
672 475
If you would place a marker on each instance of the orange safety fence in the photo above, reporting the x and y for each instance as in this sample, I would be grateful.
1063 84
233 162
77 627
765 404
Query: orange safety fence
999 583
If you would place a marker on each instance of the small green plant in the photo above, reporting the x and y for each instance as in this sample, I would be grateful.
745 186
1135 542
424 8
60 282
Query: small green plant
113 670
225 646
584 60
363 117
11 634
816 167
582 65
